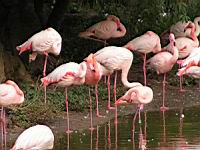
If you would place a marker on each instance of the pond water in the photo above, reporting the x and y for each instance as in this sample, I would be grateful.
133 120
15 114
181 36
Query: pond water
168 131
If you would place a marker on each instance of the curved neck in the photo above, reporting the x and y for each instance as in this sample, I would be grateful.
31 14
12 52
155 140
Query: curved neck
124 79
196 23
82 70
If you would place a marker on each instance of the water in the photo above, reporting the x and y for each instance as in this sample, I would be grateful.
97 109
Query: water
167 131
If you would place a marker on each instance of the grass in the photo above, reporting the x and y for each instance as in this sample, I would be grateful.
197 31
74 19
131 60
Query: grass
34 111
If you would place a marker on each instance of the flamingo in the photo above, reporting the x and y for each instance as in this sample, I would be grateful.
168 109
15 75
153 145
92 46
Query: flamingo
163 62
67 75
10 94
146 43
36 137
178 30
139 95
112 58
44 42
185 46
104 30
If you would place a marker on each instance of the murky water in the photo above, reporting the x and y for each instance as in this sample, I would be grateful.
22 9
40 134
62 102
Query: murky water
167 131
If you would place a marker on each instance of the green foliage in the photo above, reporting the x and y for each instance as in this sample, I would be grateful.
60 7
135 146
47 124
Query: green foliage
34 111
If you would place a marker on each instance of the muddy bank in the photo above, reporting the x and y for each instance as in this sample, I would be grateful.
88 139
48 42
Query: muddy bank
174 99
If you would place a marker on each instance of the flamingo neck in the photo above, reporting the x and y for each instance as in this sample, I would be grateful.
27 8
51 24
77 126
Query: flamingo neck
197 27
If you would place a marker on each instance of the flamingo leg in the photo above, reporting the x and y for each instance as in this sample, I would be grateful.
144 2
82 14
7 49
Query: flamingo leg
98 40
5 136
91 139
116 133
2 129
105 80
44 75
97 101
180 80
67 104
115 96
97 138
109 139
108 82
91 121
163 108
144 69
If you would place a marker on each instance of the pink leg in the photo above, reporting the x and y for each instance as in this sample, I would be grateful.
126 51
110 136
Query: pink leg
91 121
105 78
109 139
2 129
91 139
115 96
44 75
97 101
108 82
164 129
144 69
66 101
68 139
97 138
181 80
5 126
116 137
163 108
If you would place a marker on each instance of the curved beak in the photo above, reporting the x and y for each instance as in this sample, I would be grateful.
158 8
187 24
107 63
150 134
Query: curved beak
120 101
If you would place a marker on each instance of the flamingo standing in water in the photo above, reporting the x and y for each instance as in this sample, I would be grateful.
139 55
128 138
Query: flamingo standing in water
36 137
104 30
44 42
146 43
163 62
139 95
10 94
114 58
67 75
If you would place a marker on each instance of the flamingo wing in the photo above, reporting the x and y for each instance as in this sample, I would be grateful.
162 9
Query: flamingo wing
113 57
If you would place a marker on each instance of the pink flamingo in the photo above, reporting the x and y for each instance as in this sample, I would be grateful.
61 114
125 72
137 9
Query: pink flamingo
92 77
139 95
185 46
44 42
10 94
104 30
114 58
146 43
36 137
67 75
163 62
178 30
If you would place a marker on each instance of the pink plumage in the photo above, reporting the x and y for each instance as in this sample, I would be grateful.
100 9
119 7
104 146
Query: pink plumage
137 95
66 75
186 44
39 137
10 94
104 30
163 62
146 43
48 41
112 58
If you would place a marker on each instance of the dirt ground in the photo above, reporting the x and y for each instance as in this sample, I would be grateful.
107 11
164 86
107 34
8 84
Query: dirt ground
174 99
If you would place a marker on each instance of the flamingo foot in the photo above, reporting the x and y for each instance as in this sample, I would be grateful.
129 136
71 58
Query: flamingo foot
111 108
91 128
182 90
163 108
69 131
100 116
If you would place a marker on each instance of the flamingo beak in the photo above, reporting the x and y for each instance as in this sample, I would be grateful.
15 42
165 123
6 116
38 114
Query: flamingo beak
120 101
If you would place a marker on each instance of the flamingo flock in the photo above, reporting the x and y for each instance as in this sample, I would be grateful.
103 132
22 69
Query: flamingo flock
183 47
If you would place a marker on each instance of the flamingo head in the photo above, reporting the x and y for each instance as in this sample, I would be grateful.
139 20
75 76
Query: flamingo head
171 37
91 61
